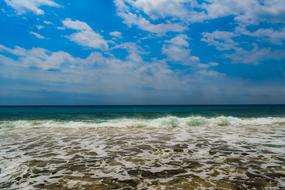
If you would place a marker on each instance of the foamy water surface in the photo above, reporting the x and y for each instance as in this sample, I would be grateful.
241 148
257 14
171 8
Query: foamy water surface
163 153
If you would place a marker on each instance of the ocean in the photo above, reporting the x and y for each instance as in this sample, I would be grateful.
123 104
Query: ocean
142 147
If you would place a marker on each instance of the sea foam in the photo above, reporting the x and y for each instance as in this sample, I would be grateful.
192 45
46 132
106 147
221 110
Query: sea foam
170 121
133 153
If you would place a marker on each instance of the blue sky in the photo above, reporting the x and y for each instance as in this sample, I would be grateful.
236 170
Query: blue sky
142 52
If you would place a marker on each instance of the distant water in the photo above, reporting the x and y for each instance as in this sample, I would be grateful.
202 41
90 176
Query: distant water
111 112
142 147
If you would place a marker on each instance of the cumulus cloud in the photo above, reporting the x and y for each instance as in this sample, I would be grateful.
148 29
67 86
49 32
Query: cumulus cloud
38 58
180 14
163 8
246 51
142 82
24 6
84 35
196 11
133 19
97 73
177 50
193 11
245 12
181 10
255 55
222 40
274 36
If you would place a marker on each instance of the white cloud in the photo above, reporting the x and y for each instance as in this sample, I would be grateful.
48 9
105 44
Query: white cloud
209 73
178 51
175 10
242 10
84 35
47 22
108 72
39 27
39 57
245 12
76 24
255 55
222 40
132 19
116 34
180 40
115 79
37 35
24 6
104 74
269 34
192 11
246 51
18 51
163 8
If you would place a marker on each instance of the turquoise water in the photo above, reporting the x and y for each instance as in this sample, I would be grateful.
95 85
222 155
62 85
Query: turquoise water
111 112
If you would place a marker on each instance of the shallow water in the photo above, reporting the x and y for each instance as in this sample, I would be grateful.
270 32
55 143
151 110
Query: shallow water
162 153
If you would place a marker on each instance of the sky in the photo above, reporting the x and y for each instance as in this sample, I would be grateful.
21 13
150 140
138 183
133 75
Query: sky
90 52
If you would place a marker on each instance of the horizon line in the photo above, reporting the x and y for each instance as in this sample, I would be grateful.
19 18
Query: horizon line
140 105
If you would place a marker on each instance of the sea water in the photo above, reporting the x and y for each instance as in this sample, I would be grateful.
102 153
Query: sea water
142 147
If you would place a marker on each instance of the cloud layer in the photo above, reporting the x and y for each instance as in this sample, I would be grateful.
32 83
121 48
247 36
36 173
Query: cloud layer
34 6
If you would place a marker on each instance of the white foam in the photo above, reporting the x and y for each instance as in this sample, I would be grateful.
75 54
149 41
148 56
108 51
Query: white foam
112 148
170 121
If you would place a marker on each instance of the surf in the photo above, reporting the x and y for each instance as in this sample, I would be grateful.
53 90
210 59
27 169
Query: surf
169 121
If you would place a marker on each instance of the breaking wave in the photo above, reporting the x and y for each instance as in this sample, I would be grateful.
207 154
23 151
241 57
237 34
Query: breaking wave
170 121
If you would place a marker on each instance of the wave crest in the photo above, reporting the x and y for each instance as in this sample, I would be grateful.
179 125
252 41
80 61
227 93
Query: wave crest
171 121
